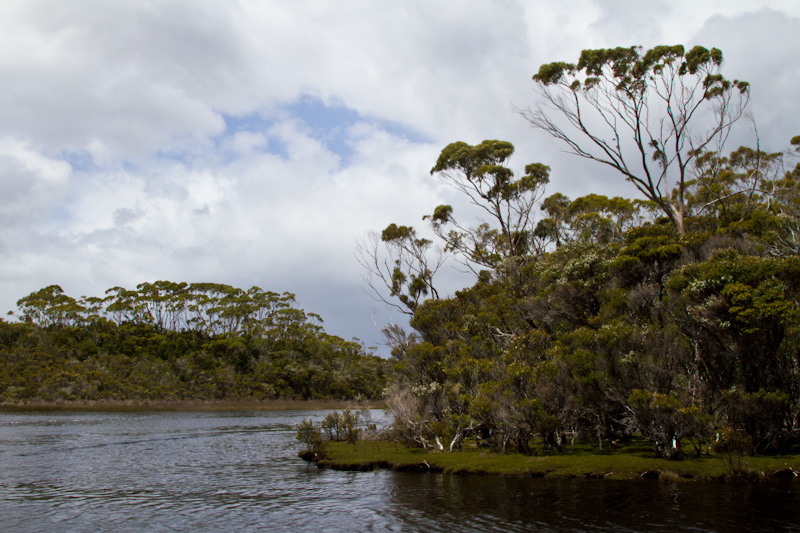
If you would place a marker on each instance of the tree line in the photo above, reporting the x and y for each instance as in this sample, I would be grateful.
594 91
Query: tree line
178 341
675 316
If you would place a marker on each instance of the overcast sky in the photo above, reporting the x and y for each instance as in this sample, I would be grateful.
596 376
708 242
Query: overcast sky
253 142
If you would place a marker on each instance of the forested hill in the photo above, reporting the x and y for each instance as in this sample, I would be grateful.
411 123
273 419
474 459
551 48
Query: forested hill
177 341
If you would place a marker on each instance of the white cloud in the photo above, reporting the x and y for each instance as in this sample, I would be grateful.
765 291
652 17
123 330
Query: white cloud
116 166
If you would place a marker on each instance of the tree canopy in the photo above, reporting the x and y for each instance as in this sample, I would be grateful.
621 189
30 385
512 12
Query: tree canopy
178 341
480 172
648 114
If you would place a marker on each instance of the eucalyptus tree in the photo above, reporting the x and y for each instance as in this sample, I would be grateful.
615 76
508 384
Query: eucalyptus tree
480 172
788 241
646 114
123 305
175 340
593 218
163 303
50 307
736 186
403 262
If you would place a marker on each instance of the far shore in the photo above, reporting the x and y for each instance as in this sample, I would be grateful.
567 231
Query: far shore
188 405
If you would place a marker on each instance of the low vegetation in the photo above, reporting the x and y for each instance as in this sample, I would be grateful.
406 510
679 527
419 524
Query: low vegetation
363 448
632 460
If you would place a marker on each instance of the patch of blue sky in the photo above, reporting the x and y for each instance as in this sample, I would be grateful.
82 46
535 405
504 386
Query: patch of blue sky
253 123
328 123
82 161
79 160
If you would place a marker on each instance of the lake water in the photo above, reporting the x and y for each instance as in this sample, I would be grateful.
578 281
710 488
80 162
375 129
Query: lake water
239 471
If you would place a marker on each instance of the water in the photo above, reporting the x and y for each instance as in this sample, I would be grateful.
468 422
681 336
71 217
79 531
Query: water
239 471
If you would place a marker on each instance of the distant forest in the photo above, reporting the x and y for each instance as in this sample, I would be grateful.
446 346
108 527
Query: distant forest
177 341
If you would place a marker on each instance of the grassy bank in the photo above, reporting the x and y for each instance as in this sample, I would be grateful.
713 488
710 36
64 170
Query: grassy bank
634 460
184 405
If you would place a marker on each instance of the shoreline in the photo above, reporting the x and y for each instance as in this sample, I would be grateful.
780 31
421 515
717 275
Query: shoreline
186 405
623 465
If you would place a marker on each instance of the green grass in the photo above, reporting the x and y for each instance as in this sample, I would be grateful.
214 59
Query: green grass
629 461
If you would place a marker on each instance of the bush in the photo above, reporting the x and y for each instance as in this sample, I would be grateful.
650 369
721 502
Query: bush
311 437
732 446
342 426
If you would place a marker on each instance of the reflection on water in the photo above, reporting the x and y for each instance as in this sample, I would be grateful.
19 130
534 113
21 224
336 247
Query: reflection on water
239 471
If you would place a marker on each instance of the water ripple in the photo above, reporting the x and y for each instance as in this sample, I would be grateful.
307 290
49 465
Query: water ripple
240 471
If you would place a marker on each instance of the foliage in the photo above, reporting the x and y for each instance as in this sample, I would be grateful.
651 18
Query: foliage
348 425
665 318
405 266
480 173
635 110
177 341
311 437
343 425
733 446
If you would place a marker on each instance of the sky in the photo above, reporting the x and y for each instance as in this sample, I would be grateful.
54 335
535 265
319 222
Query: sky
253 143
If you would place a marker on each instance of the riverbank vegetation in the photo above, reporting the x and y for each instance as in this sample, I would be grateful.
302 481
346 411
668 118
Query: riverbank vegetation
633 460
348 440
673 316
177 342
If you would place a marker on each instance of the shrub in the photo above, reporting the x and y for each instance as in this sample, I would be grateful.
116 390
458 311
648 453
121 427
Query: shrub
311 437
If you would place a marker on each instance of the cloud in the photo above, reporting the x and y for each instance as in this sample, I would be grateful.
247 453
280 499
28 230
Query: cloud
760 47
32 184
252 143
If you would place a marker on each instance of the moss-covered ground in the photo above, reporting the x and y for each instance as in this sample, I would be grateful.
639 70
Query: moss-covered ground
632 460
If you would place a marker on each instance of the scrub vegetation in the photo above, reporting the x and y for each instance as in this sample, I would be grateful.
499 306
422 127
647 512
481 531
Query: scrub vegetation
176 342
671 319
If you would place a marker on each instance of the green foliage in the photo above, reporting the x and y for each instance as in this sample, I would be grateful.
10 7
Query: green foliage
480 173
175 341
623 327
733 446
347 425
342 425
311 437
664 421
593 218
611 317
633 110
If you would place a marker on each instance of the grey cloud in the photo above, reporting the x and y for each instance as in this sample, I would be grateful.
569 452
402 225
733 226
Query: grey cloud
761 48
31 184
124 215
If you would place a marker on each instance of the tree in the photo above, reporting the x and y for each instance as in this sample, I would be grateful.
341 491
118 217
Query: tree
592 218
555 228
406 265
635 111
479 172
168 340
50 307
788 242
737 185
